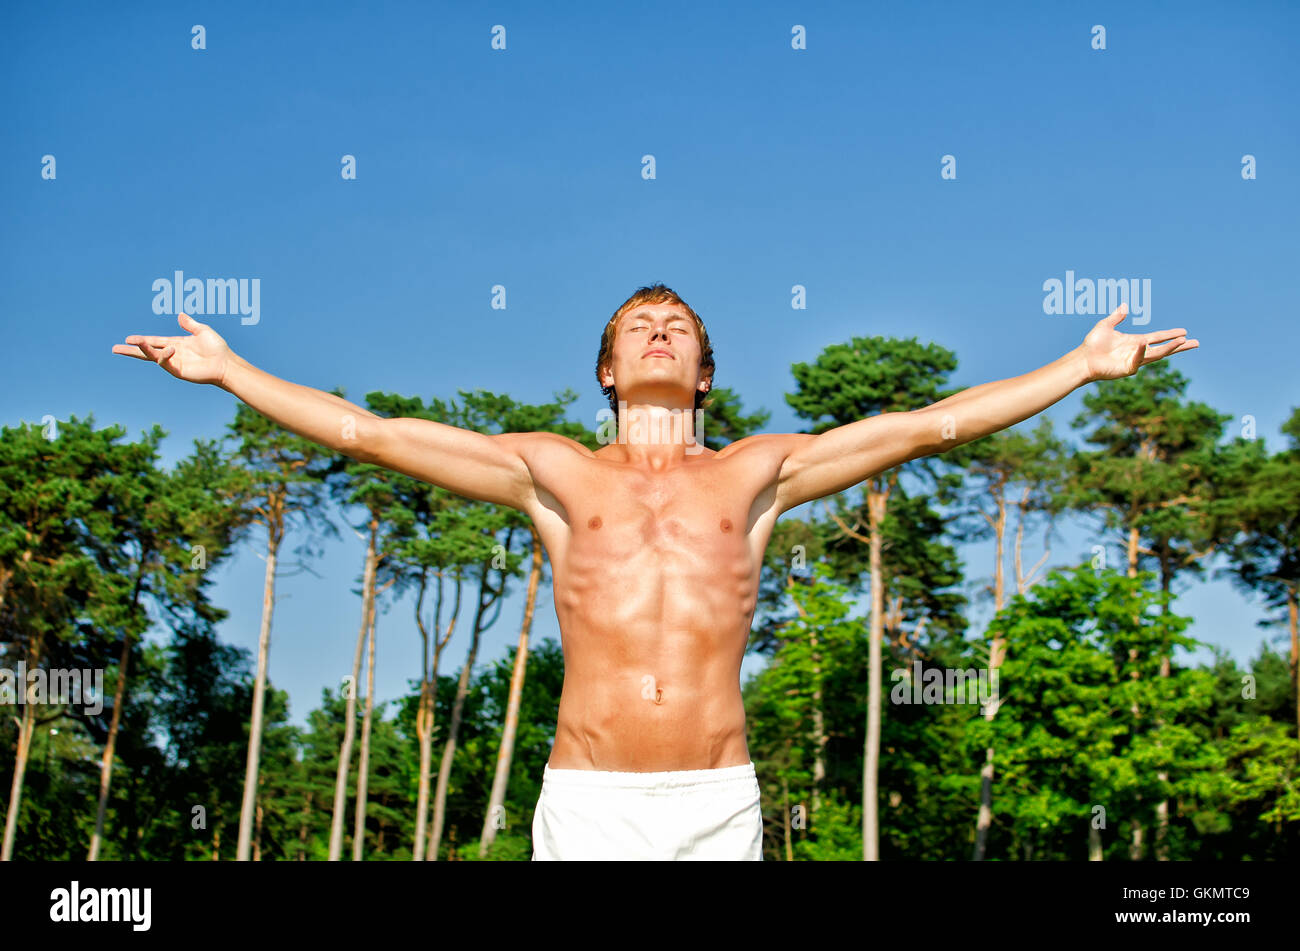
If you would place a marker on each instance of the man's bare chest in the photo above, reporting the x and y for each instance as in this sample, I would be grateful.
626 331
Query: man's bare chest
707 509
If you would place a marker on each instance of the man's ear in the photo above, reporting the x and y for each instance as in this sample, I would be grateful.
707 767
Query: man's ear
606 376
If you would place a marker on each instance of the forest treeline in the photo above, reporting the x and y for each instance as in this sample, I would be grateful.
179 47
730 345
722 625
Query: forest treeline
884 723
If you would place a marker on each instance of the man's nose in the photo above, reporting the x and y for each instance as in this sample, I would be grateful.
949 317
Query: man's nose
656 334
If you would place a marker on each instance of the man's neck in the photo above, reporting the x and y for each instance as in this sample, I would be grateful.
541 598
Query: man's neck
658 435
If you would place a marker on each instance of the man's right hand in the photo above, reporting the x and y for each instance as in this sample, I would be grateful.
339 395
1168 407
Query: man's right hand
201 357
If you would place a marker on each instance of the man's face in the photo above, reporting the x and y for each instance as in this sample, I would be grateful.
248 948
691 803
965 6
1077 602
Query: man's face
656 356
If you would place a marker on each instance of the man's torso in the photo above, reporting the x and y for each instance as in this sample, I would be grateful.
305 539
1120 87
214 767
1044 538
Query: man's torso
655 579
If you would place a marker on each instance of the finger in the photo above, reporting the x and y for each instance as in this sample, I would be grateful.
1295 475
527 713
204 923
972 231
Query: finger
152 340
189 323
1157 336
1157 353
129 351
1185 345
1117 316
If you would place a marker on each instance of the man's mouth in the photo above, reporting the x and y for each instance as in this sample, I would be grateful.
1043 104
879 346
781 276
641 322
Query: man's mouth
658 353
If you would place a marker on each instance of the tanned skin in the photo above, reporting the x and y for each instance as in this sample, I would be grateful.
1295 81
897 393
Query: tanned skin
655 543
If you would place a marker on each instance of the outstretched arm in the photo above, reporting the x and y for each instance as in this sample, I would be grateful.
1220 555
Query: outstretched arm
832 461
469 463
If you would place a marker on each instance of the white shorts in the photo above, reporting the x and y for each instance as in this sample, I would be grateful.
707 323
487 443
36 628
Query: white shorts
709 814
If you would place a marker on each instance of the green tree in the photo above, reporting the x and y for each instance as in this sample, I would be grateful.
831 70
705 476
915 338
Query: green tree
56 601
1008 471
1089 728
848 382
1262 504
163 531
786 702
285 483
1153 478
725 420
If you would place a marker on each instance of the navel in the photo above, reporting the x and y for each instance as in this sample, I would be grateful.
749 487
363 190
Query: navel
593 522
725 525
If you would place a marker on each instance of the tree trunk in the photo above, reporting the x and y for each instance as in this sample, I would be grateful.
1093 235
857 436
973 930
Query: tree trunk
424 713
1293 617
785 814
26 727
453 730
1162 807
506 754
999 534
106 764
424 729
1135 845
257 837
486 596
302 830
819 721
425 718
383 826
350 717
259 696
819 732
876 502
984 821
363 765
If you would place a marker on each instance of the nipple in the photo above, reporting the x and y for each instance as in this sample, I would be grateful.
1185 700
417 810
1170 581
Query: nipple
726 525
593 522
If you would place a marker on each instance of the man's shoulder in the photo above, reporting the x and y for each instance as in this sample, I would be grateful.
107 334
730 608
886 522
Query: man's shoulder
545 444
764 444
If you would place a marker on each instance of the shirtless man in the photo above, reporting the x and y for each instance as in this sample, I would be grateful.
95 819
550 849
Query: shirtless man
655 545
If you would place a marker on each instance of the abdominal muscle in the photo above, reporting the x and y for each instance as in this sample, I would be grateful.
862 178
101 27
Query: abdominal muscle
654 624
620 716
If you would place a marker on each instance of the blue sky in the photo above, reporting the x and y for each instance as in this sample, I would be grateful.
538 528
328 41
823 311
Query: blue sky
522 167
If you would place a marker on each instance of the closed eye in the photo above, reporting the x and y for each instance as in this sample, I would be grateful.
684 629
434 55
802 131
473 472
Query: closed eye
680 328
